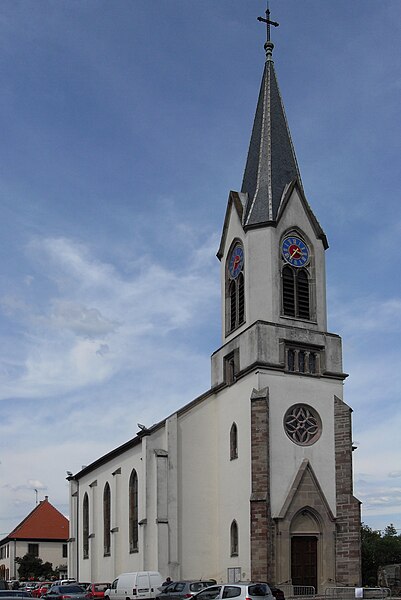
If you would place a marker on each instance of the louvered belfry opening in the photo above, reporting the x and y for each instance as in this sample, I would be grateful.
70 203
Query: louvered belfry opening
241 299
296 299
303 294
236 295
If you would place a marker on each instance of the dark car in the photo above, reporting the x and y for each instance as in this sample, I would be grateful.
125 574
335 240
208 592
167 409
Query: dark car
277 593
14 594
177 590
61 592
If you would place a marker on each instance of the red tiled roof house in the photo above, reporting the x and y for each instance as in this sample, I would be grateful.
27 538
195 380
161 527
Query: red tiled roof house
43 533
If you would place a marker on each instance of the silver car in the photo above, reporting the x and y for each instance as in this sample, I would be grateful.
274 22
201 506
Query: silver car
178 590
242 591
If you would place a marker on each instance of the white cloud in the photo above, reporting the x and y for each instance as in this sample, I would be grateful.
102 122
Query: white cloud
99 321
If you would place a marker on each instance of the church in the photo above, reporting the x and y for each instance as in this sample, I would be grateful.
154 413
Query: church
252 479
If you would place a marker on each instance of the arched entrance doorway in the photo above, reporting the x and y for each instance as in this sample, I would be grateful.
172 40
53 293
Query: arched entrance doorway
304 561
305 532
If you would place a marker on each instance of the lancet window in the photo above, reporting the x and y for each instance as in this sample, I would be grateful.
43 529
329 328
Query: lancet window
106 519
85 526
133 512
233 442
234 538
297 258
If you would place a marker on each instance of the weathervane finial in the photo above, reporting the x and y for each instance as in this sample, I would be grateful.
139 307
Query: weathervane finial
268 45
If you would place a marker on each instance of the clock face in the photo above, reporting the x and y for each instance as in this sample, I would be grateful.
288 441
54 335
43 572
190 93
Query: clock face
236 262
295 251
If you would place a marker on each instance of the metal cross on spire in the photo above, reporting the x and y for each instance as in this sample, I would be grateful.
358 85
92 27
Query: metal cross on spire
268 22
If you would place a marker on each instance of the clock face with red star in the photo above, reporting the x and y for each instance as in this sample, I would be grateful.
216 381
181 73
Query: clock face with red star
236 261
295 251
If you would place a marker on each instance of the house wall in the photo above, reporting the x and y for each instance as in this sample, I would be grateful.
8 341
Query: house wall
49 551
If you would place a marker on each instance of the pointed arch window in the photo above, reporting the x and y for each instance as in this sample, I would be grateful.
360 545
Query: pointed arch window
133 512
235 282
85 526
233 442
234 538
106 519
296 294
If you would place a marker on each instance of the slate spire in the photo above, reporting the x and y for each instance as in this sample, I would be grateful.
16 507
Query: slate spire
271 164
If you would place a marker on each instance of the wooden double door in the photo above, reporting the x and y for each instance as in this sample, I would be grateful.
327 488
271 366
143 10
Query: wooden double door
304 560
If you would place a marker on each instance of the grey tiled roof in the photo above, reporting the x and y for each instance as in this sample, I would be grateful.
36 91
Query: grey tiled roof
271 162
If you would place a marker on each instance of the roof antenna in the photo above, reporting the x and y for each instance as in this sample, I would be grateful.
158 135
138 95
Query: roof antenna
36 496
268 22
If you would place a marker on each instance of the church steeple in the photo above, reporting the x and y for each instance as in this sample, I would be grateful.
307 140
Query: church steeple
271 165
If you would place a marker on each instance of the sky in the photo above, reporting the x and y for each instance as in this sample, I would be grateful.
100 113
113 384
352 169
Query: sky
124 124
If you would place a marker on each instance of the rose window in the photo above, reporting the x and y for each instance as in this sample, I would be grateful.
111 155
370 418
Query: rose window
302 424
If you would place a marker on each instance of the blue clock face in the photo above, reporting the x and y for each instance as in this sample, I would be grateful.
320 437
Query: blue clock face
236 262
295 251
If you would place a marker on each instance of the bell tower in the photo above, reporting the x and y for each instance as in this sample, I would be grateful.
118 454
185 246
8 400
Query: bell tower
304 521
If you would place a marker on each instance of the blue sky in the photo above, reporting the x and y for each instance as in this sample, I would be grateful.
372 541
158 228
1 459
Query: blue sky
124 124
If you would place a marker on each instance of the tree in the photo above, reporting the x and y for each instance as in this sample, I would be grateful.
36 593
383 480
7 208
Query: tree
32 566
370 541
378 550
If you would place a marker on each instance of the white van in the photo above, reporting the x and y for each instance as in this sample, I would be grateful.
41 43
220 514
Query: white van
135 586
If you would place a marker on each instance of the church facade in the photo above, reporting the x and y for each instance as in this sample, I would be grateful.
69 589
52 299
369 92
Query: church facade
253 479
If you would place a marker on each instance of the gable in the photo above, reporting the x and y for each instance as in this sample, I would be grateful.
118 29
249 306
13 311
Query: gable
287 198
305 492
44 522
236 201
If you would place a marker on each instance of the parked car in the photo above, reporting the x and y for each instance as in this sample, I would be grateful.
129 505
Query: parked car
177 590
15 594
41 589
138 585
97 590
277 593
62 592
11 595
242 591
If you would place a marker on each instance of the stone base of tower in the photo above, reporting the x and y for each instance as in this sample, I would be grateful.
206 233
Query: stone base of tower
348 542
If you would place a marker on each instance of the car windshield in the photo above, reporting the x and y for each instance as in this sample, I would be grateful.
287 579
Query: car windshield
70 589
101 587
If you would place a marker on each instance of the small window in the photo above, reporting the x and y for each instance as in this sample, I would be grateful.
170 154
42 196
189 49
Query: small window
65 551
233 442
33 549
234 538
231 367
304 360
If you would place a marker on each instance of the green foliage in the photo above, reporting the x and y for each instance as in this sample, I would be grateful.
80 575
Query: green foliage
32 566
378 550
